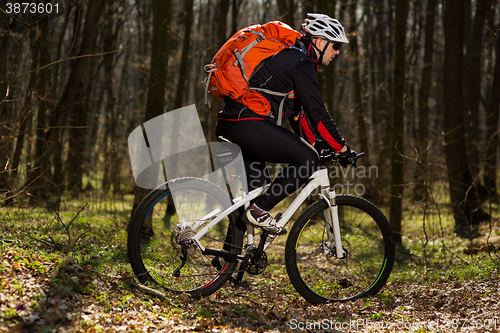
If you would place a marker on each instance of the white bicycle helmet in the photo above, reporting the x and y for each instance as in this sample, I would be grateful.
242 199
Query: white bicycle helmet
324 26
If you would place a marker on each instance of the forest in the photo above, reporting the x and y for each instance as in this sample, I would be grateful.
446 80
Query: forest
417 89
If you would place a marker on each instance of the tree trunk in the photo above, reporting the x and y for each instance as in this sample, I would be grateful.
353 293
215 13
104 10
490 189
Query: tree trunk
371 47
473 129
77 135
398 113
492 130
43 106
466 207
389 51
63 108
181 83
357 98
421 179
384 122
79 118
308 7
221 39
286 11
467 33
155 105
291 13
4 84
112 140
58 56
413 63
328 74
235 11
25 118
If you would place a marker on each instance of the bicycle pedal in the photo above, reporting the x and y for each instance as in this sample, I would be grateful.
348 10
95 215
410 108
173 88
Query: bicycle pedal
275 234
277 218
281 233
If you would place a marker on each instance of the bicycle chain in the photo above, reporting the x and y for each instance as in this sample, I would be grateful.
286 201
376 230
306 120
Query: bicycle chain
252 271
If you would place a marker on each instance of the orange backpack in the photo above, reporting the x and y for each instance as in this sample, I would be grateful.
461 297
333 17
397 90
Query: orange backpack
233 65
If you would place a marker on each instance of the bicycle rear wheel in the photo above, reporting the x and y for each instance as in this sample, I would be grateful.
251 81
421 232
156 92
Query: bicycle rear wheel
155 238
312 265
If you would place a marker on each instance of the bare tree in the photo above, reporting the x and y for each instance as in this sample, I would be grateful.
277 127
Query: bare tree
474 127
113 138
466 207
155 105
398 112
53 135
327 76
26 114
4 84
308 7
286 10
235 11
492 130
181 83
221 39
383 125
356 80
421 179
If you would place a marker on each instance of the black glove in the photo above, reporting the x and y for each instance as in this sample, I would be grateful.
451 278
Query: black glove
326 154
345 156
325 151
319 145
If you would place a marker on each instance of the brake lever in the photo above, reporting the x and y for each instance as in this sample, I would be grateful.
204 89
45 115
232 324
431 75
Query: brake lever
354 159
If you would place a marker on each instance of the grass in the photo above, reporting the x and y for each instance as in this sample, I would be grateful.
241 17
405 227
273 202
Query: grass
69 249
79 255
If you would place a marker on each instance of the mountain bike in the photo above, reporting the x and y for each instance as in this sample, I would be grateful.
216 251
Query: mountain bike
340 248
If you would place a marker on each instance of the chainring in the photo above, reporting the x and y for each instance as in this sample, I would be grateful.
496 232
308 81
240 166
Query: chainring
253 265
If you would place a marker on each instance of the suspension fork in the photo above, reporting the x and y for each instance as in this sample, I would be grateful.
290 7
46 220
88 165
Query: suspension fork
333 223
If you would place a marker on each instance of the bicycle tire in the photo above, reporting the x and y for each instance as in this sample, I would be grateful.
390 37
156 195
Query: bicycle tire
153 236
317 274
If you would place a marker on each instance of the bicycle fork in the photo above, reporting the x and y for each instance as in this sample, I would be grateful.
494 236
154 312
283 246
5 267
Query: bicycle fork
333 225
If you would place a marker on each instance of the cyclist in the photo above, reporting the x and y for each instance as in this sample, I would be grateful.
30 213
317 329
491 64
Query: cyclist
261 140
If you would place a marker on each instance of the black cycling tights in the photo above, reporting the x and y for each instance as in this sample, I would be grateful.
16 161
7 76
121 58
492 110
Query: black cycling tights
262 141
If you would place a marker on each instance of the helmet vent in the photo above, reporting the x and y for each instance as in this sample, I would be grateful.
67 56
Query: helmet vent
321 25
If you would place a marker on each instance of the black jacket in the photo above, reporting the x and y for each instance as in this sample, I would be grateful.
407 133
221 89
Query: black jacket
292 69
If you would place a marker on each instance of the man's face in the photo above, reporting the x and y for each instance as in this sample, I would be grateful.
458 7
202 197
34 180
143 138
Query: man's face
330 52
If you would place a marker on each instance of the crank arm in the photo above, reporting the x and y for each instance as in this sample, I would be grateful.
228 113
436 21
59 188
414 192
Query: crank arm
229 257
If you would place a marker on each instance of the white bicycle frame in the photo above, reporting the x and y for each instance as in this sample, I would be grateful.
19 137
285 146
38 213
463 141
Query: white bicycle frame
318 179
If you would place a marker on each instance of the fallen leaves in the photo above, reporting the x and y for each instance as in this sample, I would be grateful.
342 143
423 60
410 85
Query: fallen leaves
67 295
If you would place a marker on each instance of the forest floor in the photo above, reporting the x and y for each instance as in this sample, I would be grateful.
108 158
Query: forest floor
69 273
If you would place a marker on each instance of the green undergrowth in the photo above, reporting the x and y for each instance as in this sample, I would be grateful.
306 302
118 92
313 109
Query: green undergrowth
72 252
79 252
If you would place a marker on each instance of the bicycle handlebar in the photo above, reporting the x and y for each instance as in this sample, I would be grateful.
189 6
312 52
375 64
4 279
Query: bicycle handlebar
329 156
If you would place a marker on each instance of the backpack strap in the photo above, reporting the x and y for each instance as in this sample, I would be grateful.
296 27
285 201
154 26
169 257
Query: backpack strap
247 48
301 48
239 56
210 68
290 94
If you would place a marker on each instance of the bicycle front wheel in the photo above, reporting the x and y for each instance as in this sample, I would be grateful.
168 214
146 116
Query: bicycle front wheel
159 247
312 265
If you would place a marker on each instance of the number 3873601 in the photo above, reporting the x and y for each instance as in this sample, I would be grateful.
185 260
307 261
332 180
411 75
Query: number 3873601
31 7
